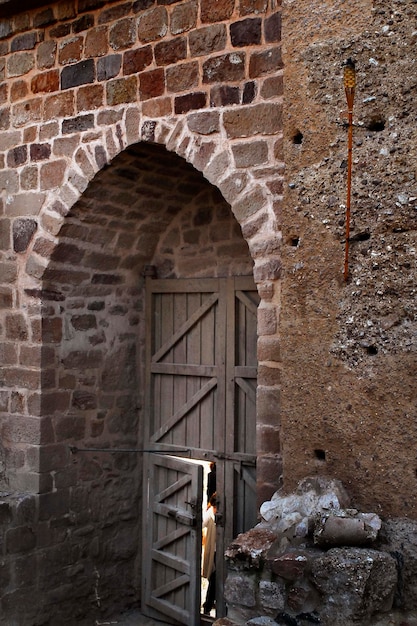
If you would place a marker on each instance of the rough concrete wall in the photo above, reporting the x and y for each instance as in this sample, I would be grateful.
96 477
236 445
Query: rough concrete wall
349 349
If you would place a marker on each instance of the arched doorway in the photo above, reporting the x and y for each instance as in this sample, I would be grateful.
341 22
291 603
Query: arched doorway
148 208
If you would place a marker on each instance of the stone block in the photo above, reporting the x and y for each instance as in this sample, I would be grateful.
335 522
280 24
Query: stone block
17 156
46 53
157 107
40 151
90 97
216 11
78 74
84 22
246 7
399 538
224 95
184 17
70 51
189 102
264 118
109 66
44 18
60 105
272 87
207 40
25 41
52 329
121 90
52 174
23 231
246 32
26 112
152 84
170 52
240 590
354 583
224 68
96 42
45 82
153 24
20 539
250 154
272 595
265 62
182 77
77 124
20 63
269 349
123 34
136 60
272 28
204 123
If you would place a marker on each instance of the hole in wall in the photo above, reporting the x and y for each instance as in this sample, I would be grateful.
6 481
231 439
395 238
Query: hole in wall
320 454
294 241
371 350
375 124
297 138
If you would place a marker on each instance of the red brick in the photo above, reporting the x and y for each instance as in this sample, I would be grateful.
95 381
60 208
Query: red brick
96 42
153 25
45 82
152 84
90 97
70 51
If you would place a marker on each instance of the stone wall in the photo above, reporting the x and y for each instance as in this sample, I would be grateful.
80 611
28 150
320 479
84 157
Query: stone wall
109 112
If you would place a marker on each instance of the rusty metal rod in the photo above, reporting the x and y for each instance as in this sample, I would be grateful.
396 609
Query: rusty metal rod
349 79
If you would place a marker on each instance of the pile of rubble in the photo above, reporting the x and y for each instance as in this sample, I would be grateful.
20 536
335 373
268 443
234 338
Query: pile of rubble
315 560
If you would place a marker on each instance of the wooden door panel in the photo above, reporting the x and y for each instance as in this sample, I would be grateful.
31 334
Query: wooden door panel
172 539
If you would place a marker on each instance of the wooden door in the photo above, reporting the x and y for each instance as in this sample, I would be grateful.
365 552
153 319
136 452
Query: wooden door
172 539
201 388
